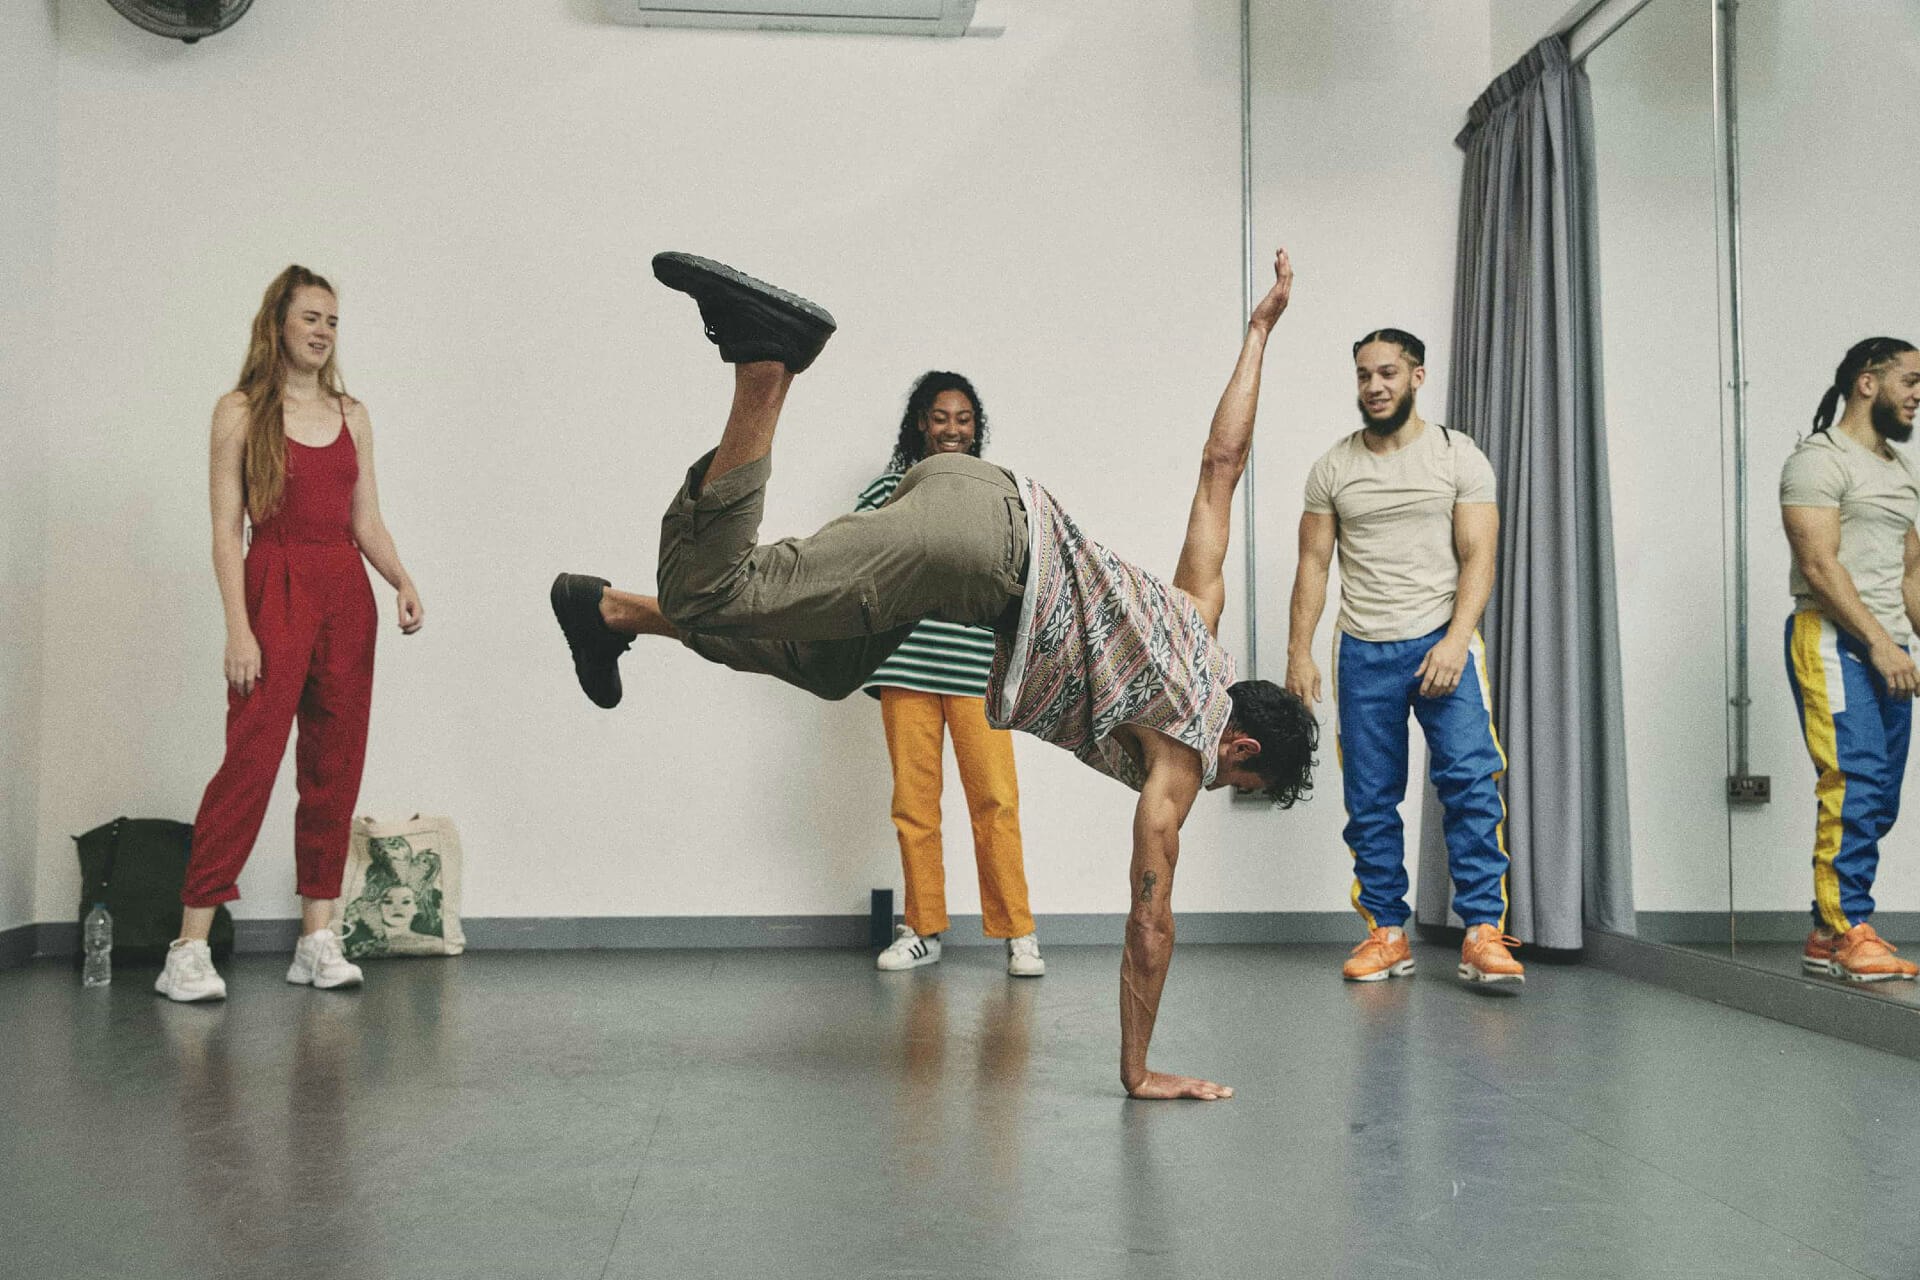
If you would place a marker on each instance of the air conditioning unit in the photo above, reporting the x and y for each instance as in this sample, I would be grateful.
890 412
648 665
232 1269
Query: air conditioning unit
879 17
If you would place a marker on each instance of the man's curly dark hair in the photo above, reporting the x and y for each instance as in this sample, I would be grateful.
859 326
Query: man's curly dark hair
912 443
1288 734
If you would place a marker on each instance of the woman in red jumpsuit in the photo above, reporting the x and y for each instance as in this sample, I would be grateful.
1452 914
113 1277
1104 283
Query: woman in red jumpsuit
292 455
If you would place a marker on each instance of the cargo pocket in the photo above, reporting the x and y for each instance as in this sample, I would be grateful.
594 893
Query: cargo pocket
840 610
869 605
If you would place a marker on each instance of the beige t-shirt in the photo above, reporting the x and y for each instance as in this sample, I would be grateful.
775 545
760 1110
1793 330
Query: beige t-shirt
1877 498
1393 514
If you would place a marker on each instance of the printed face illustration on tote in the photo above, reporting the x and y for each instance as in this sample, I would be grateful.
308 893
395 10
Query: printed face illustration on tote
402 891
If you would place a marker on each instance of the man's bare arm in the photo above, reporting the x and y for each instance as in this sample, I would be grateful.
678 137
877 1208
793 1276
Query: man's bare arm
1814 535
1173 780
1476 543
1910 579
1317 530
1224 458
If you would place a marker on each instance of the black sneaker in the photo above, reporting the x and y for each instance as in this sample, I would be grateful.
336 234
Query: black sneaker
596 647
748 319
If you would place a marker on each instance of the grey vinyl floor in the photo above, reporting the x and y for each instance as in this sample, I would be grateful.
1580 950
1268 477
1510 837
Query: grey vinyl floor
796 1114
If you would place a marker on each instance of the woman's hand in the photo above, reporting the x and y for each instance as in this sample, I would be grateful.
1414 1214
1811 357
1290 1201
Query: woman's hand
243 663
413 615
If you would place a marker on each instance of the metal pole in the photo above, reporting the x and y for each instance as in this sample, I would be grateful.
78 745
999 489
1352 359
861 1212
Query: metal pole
1593 27
1246 311
1730 132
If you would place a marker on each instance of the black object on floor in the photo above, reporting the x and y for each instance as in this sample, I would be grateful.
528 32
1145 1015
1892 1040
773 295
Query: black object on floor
137 866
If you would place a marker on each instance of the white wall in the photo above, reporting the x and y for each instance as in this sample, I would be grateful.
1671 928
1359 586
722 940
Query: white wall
1356 173
1055 212
1518 25
1829 226
28 70
1660 328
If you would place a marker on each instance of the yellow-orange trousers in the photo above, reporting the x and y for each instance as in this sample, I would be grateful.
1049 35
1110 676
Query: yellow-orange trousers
916 725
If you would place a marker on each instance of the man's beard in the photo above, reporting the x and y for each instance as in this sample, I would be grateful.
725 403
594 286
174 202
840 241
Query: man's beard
1886 420
1398 418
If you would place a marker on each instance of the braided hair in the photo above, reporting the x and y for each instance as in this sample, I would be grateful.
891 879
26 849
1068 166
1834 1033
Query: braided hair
1415 349
912 443
1870 355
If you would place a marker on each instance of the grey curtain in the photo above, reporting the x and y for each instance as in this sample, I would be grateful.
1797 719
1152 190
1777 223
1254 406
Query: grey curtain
1526 386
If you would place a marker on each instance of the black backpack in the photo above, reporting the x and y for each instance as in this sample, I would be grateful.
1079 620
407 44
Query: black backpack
137 866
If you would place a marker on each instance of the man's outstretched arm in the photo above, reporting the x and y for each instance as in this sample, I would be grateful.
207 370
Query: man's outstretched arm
1173 780
1476 543
1224 459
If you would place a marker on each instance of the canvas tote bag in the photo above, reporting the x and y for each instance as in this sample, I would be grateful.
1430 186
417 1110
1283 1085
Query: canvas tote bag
402 892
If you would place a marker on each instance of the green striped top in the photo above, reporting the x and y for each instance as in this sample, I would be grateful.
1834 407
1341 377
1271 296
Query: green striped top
939 657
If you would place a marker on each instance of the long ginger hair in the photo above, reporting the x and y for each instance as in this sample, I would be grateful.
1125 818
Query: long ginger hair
262 382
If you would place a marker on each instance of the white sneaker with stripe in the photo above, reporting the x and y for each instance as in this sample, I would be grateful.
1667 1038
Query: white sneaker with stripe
908 951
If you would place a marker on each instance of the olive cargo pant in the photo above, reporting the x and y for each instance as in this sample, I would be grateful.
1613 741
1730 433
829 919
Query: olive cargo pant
823 612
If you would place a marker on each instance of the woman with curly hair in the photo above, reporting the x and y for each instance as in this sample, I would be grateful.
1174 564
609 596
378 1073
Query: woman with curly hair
933 685
292 457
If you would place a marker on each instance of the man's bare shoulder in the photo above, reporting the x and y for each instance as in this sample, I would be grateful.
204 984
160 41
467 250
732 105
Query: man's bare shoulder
1151 747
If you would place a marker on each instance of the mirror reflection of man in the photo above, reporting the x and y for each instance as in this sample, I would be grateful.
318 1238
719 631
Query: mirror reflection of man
1848 499
1411 507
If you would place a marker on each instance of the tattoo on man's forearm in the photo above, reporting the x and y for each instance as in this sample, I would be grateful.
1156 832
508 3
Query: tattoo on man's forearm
1147 882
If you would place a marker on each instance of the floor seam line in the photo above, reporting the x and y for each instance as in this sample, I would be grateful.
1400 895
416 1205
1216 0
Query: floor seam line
1665 1173
1674 1177
713 966
633 1193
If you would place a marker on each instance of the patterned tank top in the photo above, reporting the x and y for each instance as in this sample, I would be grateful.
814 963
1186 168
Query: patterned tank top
1104 643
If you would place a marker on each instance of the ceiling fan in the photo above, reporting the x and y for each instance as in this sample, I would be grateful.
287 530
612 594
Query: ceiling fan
185 20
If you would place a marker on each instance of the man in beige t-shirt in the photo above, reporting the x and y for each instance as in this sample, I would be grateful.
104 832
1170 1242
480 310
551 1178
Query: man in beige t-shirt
1848 499
1410 505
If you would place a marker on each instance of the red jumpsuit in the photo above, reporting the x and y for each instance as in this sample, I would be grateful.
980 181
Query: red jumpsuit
313 614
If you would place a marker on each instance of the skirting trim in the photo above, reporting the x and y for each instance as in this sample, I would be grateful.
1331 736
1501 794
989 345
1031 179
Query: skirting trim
577 933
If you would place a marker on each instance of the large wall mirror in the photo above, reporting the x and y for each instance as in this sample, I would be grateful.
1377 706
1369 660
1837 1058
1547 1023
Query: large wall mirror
1828 229
1816 199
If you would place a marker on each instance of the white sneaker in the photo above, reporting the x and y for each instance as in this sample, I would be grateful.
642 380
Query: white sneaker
190 974
909 951
1023 956
318 961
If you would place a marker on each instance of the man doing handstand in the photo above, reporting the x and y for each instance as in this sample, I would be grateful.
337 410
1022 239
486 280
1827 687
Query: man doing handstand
1093 653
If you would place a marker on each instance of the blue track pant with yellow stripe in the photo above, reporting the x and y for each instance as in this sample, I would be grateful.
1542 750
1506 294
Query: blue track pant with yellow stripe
1375 685
1857 733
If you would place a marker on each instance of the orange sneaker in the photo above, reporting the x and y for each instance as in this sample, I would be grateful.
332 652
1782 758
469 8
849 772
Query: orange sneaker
1385 954
1817 955
1860 955
1484 956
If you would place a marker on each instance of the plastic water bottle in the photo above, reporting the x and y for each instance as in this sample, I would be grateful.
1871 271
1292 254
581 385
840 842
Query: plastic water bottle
98 934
